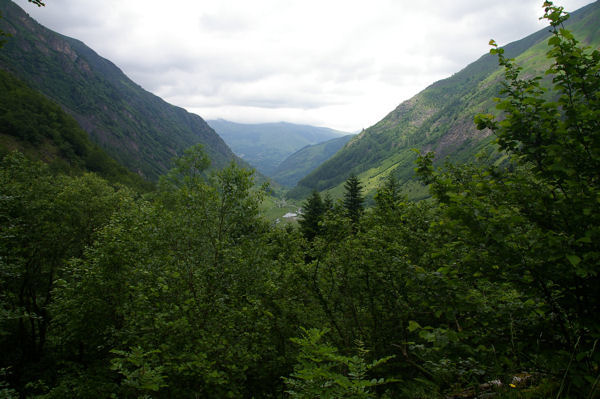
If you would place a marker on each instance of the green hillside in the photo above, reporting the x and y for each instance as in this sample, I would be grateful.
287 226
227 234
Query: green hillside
36 126
307 159
440 118
266 145
137 128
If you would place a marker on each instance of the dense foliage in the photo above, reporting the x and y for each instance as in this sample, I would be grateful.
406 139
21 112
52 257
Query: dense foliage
490 289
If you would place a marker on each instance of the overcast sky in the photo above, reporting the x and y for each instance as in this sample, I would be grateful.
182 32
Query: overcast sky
342 64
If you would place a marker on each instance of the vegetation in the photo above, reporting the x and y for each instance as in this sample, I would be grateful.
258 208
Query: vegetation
40 128
311 219
487 290
353 200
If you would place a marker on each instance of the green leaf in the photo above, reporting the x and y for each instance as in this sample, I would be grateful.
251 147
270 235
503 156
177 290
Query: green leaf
574 259
413 325
554 40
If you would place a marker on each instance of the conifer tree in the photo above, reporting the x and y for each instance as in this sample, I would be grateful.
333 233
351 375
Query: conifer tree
388 196
353 200
327 202
313 210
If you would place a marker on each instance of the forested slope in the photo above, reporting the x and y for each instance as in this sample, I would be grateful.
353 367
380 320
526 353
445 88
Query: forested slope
305 160
137 128
34 125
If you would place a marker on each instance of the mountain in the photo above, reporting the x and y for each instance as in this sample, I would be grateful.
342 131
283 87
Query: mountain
137 128
308 158
266 145
440 118
39 128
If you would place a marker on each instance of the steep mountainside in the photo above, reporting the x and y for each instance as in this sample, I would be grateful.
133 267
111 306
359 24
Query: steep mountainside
39 128
266 145
307 159
137 128
440 118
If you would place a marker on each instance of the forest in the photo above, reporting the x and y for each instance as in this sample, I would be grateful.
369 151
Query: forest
489 288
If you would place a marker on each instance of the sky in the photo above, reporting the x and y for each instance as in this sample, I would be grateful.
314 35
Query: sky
343 64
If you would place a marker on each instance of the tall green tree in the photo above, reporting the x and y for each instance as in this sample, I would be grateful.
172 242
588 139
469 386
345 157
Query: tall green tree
313 210
534 227
389 196
45 221
353 200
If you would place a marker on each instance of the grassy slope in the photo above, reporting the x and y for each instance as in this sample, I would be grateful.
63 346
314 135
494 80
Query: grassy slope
439 119
139 129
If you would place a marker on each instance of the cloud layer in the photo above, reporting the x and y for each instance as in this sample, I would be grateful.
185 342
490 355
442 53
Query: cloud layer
342 64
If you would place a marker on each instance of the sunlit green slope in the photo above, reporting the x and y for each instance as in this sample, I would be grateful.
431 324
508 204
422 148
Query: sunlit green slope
439 119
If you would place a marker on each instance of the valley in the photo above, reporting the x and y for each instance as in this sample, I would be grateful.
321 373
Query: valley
450 250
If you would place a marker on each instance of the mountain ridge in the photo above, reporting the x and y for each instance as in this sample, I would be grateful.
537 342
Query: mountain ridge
439 118
306 159
266 145
136 127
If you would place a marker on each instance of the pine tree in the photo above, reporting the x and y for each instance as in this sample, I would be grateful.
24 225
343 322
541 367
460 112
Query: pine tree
388 196
313 210
353 200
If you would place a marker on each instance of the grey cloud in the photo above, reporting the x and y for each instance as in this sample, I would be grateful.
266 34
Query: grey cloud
302 59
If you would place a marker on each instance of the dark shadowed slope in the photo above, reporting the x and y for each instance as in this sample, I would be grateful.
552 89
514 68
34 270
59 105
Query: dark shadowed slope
39 128
137 128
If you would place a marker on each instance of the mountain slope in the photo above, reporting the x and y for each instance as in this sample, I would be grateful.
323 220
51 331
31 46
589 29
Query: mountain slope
137 128
308 158
266 145
39 128
440 118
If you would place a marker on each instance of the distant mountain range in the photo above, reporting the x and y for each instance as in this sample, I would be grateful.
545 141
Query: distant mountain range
305 160
137 128
440 118
266 145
